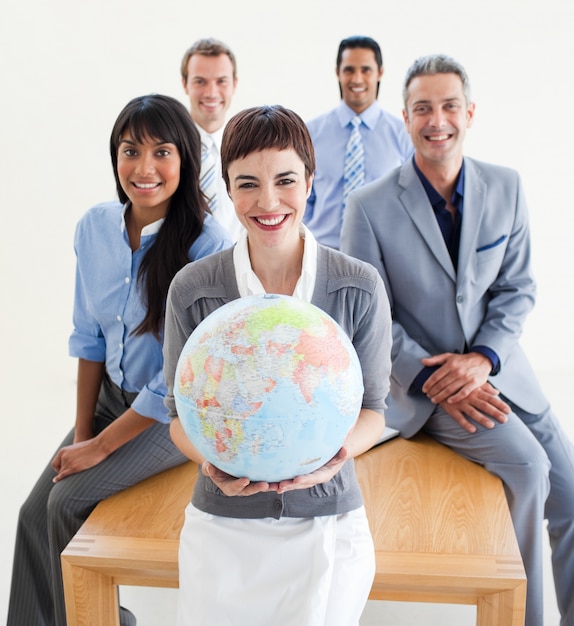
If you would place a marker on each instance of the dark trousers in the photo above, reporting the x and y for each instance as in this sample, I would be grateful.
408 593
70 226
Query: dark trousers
53 513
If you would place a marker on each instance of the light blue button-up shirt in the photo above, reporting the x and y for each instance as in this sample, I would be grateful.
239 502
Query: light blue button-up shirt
386 143
108 302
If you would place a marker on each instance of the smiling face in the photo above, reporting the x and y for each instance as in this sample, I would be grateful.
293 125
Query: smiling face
149 173
359 75
437 116
210 86
269 190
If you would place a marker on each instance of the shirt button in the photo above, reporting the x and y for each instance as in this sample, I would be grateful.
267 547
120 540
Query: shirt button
127 279
120 345
460 299
119 318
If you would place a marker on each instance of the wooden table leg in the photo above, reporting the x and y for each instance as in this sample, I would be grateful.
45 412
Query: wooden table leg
506 608
91 597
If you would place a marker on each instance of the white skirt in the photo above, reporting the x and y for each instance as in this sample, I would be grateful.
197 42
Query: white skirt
265 572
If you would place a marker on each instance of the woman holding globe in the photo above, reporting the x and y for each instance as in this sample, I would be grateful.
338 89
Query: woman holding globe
297 551
127 253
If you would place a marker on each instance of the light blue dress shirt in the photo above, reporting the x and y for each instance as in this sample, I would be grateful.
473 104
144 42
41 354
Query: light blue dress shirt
108 302
386 143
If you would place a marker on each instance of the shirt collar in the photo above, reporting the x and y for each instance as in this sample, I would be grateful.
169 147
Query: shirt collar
369 116
247 281
434 196
150 229
215 137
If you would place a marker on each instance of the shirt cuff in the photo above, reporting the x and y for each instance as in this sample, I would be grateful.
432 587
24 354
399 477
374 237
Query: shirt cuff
421 378
150 404
491 356
88 347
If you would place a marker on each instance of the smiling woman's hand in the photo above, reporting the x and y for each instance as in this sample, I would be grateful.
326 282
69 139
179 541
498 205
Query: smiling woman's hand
321 475
233 486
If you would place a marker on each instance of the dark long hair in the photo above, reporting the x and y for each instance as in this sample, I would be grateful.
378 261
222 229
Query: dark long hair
162 118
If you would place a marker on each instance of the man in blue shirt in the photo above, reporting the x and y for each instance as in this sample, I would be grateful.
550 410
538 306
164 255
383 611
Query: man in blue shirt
385 142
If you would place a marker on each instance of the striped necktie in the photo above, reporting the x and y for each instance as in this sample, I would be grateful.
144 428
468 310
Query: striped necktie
207 178
354 168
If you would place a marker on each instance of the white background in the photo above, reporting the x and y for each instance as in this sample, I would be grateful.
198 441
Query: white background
68 67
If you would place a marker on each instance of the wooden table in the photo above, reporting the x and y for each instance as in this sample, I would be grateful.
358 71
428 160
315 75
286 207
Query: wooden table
440 523
442 531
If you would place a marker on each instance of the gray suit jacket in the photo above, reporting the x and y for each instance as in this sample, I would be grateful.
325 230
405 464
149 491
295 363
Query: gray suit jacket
390 223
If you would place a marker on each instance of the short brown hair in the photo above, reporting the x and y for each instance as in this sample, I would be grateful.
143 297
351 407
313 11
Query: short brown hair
209 47
264 127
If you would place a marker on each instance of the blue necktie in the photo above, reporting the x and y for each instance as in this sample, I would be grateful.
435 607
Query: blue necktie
354 167
207 178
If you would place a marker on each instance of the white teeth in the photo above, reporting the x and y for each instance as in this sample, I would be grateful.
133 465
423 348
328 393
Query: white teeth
271 221
145 185
438 138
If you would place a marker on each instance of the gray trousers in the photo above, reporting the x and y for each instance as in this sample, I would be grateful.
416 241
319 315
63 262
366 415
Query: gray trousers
53 513
533 457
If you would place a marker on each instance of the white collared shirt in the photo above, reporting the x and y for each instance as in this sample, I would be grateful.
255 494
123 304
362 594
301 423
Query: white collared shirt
247 281
225 213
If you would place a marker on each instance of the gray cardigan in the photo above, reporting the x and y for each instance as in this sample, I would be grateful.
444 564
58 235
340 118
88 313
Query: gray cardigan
353 294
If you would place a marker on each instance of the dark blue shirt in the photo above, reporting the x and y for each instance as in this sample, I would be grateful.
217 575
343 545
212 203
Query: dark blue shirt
449 225
450 228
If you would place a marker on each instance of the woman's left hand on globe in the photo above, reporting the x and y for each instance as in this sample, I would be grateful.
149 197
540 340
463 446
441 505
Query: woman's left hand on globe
321 475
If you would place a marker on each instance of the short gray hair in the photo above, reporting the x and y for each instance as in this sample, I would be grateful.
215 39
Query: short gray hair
436 64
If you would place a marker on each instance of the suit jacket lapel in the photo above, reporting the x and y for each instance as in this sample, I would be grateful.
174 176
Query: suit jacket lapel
474 198
414 199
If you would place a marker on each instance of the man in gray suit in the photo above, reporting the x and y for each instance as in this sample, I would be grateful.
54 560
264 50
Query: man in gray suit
450 237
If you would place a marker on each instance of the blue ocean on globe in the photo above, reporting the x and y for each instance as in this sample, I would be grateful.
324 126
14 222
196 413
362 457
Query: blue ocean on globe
268 387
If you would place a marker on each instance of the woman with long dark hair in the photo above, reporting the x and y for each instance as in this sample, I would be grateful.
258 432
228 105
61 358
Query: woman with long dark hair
127 253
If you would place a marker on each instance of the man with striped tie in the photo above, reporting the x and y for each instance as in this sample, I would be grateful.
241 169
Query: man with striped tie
355 143
209 78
